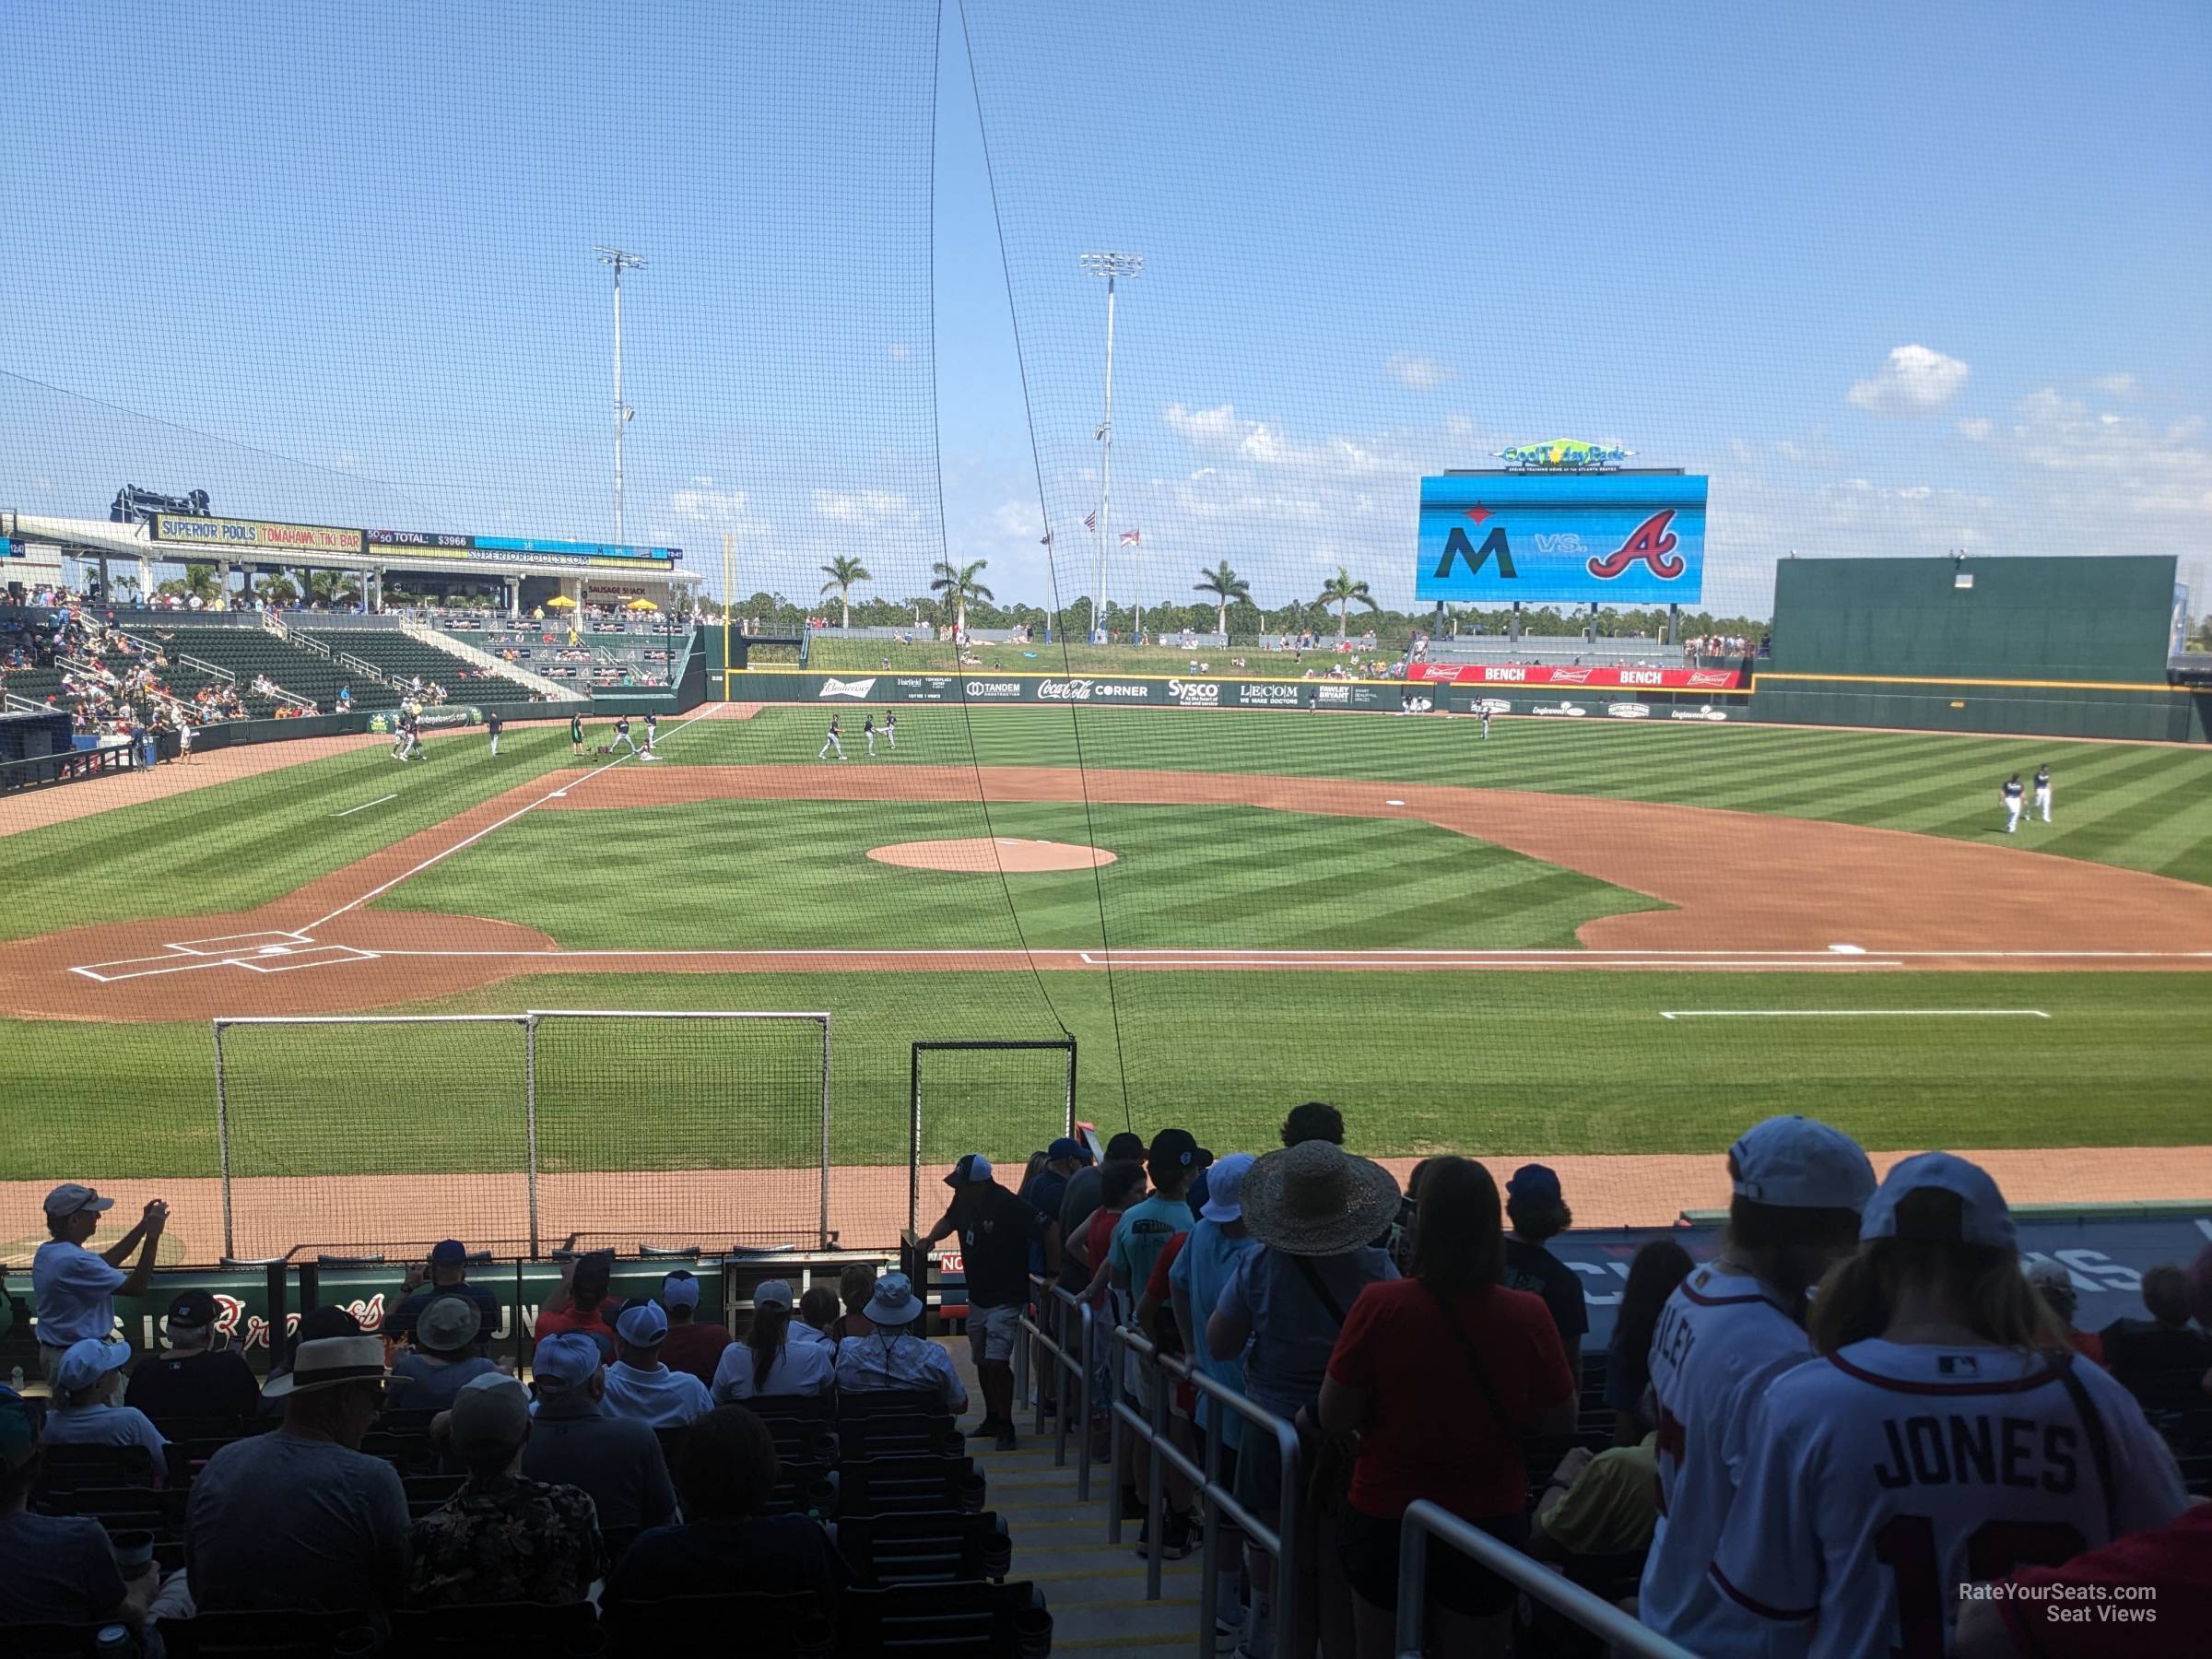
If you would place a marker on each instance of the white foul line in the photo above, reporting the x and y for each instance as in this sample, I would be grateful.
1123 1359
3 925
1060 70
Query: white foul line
1855 1014
366 805
480 835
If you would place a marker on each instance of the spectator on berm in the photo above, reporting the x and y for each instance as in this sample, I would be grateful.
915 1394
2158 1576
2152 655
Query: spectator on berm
2163 1359
1654 1273
779 1355
84 1412
616 1461
73 1288
1538 1213
445 1358
446 1273
694 1345
639 1387
299 1517
892 1356
200 1375
1439 1375
502 1537
54 1568
581 1304
727 1471
1082 1197
1312 1208
995 1229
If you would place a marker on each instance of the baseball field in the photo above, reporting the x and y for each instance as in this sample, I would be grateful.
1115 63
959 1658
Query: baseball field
1590 938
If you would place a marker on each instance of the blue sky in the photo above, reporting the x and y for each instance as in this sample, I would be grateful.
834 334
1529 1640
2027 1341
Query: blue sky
1901 279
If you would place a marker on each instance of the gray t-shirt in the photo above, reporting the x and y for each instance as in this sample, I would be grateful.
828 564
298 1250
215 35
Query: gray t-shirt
1292 1333
617 1459
280 1521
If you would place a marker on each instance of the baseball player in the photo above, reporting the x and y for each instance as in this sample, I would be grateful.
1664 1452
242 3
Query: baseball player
1934 1446
1724 1335
575 732
622 735
890 728
868 730
492 723
408 740
2042 790
831 741
652 731
2012 805
1485 709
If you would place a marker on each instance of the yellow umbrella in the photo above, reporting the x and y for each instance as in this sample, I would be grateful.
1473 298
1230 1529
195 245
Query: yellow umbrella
560 602
642 604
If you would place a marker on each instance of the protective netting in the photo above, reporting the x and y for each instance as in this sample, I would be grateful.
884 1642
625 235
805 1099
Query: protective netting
1007 1102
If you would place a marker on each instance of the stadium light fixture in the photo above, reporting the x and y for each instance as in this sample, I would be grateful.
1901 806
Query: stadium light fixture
1110 267
622 261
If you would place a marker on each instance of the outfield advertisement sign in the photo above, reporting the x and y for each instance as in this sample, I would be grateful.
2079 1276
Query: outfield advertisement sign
254 535
1650 679
1574 538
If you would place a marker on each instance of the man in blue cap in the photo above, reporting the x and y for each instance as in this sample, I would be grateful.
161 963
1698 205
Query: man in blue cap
446 1273
639 1387
1534 1213
574 1443
74 1288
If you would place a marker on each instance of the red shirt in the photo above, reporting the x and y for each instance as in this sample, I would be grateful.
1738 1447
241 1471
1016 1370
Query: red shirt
695 1347
1098 1235
551 1322
2175 1562
1431 1433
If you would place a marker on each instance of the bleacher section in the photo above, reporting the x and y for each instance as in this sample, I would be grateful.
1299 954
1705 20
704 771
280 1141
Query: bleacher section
246 652
402 657
604 657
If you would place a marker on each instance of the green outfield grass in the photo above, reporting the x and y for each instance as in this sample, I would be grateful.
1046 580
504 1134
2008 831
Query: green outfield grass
1474 1062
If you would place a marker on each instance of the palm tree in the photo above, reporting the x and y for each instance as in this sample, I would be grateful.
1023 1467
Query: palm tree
1227 586
843 572
959 587
1343 592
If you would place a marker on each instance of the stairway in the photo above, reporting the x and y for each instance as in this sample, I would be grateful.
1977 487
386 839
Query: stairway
1096 1590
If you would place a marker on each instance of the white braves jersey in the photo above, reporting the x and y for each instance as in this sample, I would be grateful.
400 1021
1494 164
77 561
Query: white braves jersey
1722 1338
1885 1477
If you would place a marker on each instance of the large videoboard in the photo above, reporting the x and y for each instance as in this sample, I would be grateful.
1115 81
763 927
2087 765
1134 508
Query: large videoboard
1574 538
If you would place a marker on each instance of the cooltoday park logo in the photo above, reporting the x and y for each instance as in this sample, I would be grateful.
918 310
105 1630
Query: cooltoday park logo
1565 454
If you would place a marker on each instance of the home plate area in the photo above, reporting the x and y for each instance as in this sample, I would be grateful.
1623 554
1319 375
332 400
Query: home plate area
255 952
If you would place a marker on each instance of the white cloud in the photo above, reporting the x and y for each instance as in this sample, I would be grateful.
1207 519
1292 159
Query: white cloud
1018 518
1976 430
1415 371
1915 382
860 506
2115 464
1221 430
2117 385
702 503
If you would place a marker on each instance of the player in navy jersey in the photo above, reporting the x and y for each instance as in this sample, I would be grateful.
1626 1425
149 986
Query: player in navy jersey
1944 1437
2012 805
2042 790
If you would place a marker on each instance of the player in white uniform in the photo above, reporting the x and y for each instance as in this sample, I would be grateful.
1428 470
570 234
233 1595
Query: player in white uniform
1946 1437
1485 721
1724 1338
2012 805
2042 790
868 730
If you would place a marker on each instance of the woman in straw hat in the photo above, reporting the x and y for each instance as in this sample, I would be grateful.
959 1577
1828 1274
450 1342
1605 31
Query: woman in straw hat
1439 1375
1315 1210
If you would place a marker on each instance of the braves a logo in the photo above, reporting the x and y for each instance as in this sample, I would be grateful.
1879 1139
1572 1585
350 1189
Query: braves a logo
1651 543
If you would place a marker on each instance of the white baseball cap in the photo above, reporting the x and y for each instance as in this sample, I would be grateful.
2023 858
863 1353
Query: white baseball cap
1982 1216
1224 1188
1801 1163
2048 1275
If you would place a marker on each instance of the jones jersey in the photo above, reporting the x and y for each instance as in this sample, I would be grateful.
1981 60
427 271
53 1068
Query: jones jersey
1885 1477
1722 1339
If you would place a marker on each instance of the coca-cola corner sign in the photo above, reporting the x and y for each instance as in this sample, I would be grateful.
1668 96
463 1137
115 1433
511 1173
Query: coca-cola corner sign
1537 674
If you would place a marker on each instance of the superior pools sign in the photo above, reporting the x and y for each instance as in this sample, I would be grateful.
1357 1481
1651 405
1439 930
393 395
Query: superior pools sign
1575 538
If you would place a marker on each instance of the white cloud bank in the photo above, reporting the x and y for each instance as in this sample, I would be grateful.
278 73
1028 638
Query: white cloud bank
1915 383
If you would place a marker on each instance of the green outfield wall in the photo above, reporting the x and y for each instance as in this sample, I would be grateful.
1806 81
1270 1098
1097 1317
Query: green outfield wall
2072 647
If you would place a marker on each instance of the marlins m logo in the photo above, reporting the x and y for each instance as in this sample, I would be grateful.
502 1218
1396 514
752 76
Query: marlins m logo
1457 545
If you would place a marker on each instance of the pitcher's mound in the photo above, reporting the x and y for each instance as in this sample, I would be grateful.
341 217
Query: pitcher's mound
984 855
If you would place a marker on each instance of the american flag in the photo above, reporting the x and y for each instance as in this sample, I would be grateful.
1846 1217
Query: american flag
1045 540
1090 520
1129 538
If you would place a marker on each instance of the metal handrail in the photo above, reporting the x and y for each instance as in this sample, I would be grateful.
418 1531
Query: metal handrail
215 669
1078 1364
1593 1613
1216 1502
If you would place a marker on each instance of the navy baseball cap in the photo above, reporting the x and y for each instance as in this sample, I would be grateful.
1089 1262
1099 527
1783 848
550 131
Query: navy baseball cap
1064 1148
448 1253
972 1167
1534 1181
1177 1149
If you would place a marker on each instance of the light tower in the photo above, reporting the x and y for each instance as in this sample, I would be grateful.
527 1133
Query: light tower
1110 267
622 262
